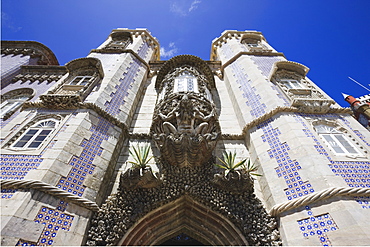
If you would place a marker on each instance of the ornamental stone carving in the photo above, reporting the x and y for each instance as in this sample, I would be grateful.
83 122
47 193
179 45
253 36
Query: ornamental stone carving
182 188
83 75
185 128
139 178
237 181
41 73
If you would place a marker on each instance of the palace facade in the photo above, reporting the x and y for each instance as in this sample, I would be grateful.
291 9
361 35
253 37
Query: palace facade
120 147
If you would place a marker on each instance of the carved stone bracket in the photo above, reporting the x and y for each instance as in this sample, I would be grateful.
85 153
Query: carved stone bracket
139 178
313 105
236 181
66 101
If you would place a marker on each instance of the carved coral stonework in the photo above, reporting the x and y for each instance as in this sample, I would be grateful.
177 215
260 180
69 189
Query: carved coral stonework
187 199
185 128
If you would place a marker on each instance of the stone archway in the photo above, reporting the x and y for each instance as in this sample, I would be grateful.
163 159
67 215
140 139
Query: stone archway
183 215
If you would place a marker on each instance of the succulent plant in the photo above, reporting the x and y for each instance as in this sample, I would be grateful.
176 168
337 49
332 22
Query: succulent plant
140 155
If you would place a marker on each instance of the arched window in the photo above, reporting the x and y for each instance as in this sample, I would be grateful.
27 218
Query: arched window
186 82
35 135
11 101
336 140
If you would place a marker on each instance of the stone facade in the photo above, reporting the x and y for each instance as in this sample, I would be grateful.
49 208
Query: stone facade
68 134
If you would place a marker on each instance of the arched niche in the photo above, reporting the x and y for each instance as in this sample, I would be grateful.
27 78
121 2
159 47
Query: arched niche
183 215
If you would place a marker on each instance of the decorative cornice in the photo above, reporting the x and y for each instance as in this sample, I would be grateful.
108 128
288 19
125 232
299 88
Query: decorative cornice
181 60
232 137
49 189
31 48
133 33
281 109
146 36
140 136
40 73
80 105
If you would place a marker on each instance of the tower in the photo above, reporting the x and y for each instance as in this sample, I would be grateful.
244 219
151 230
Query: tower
70 134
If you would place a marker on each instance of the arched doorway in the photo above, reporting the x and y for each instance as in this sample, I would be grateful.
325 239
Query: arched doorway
186 216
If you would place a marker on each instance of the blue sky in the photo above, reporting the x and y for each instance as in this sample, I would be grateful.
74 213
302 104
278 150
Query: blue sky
332 38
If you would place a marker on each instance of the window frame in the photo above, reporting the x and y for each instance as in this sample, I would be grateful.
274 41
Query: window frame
335 143
15 103
186 76
289 85
33 139
81 79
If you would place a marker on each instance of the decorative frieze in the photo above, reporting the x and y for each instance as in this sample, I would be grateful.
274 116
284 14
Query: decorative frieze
40 73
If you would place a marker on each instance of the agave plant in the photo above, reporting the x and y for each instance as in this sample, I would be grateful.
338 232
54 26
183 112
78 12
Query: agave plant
250 168
140 155
228 163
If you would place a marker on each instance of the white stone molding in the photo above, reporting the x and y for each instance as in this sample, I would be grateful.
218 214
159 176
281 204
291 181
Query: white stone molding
317 196
49 189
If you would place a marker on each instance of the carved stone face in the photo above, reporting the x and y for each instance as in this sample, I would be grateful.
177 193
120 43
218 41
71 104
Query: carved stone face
185 128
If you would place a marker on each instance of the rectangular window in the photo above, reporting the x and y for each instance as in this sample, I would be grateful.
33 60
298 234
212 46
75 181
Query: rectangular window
292 84
339 144
81 80
253 45
26 138
32 139
336 140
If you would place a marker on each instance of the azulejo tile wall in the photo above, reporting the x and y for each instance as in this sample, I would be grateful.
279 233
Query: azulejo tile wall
287 168
17 166
83 165
118 96
317 225
355 173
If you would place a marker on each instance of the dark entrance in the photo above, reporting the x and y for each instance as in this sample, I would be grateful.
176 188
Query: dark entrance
181 240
